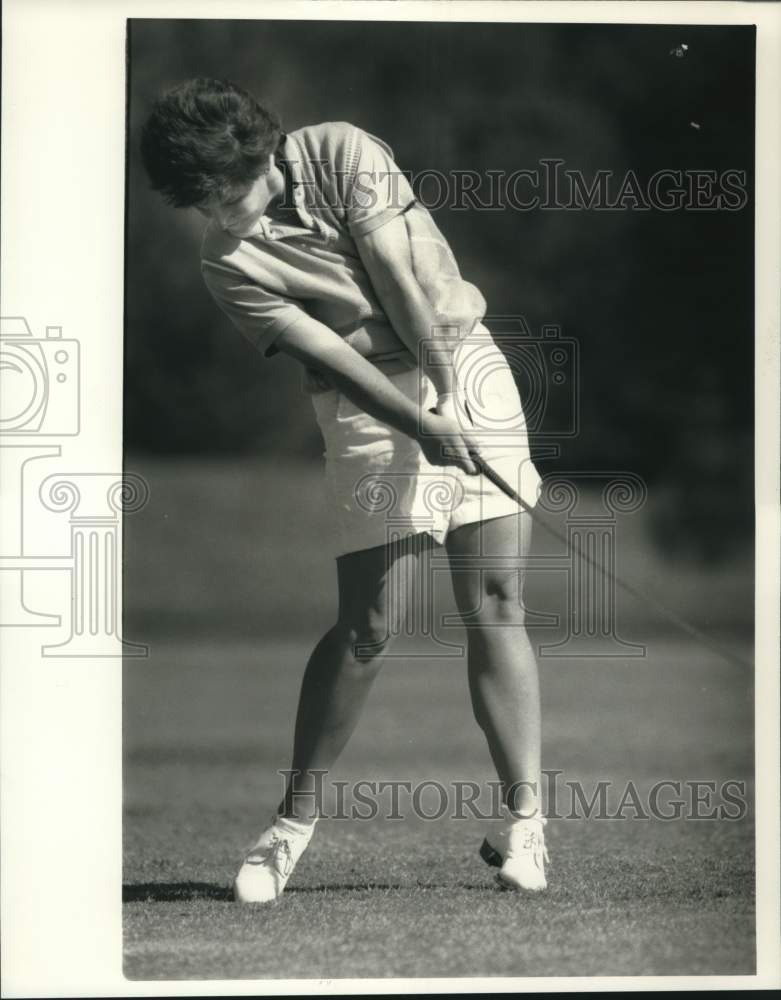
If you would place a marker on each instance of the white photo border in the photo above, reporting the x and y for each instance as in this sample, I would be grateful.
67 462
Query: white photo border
64 94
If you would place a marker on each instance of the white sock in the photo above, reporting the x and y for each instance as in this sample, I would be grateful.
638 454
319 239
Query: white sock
511 818
298 827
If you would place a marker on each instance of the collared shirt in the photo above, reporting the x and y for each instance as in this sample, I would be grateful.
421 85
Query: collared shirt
344 183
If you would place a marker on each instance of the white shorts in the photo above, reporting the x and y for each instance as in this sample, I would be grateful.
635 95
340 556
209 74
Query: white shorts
380 485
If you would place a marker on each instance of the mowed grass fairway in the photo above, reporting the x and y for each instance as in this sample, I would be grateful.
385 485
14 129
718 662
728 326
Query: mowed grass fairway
226 583
208 725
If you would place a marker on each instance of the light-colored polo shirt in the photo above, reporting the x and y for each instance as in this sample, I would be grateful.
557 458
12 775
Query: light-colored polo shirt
345 183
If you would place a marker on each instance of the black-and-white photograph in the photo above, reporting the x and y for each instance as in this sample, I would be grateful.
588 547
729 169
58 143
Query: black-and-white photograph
439 366
431 574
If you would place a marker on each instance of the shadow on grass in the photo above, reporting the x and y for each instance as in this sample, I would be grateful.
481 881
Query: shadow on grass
178 892
174 892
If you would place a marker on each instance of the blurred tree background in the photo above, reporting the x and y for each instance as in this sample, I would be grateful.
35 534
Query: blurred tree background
660 303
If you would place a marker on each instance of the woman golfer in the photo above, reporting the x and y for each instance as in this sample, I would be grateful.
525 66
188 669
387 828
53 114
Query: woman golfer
316 247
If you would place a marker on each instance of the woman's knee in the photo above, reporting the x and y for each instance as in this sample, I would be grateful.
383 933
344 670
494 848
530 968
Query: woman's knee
496 601
367 635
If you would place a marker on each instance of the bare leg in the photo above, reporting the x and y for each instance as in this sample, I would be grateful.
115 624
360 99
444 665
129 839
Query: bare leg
502 668
344 663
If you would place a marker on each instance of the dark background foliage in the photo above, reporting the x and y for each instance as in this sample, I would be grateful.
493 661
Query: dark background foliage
660 303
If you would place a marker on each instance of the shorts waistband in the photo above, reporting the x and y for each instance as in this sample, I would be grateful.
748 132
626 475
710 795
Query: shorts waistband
389 364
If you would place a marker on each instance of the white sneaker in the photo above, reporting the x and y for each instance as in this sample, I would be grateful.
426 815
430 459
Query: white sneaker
267 867
519 852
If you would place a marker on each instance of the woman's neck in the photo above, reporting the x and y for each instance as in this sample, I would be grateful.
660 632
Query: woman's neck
283 208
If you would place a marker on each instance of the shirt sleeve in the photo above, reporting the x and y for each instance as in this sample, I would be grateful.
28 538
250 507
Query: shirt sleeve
259 315
379 190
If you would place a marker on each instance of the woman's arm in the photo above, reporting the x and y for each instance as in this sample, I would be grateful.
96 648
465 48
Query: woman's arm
317 346
404 262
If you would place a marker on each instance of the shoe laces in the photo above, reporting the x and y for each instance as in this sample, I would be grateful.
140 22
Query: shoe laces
280 855
532 840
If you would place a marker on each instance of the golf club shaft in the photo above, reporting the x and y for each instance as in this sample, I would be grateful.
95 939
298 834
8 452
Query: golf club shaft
633 591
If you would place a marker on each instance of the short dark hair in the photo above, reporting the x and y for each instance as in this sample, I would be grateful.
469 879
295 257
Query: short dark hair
206 138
